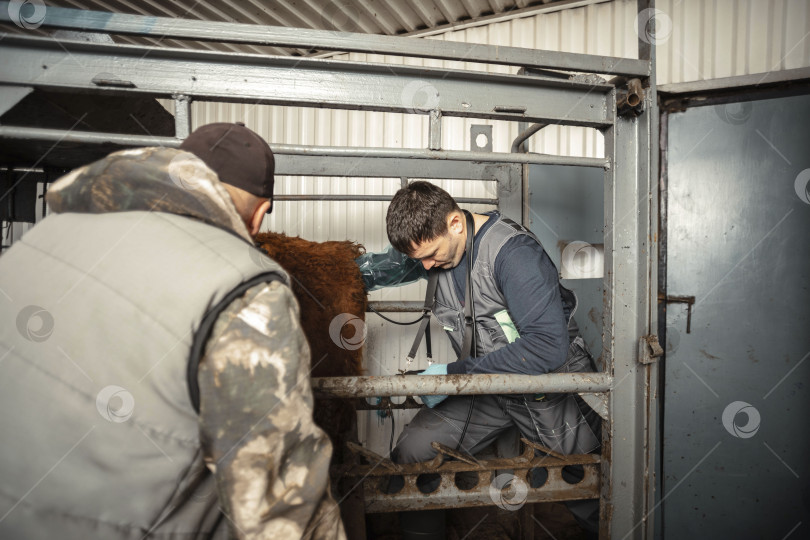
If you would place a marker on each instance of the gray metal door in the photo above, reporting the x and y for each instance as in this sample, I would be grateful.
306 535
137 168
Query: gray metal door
736 439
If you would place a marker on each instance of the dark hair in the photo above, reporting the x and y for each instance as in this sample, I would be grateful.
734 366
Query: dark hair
418 213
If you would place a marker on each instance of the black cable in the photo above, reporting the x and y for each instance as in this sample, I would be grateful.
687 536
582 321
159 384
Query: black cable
470 249
393 321
466 424
391 442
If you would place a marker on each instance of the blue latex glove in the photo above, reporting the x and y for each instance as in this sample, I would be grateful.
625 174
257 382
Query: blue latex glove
435 369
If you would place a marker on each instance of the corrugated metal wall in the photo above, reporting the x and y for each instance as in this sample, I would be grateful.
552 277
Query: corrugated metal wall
723 38
696 40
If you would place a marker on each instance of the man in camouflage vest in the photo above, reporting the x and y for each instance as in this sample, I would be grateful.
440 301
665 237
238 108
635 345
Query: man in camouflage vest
154 378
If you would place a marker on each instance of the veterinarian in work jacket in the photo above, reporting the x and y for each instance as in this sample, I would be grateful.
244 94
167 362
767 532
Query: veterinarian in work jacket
523 325
509 261
154 378
560 350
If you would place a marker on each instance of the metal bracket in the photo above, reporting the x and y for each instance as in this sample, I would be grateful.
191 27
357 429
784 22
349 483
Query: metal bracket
435 134
475 131
182 116
588 78
598 402
108 79
649 350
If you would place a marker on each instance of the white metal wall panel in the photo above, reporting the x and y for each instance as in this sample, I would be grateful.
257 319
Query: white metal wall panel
708 39
724 38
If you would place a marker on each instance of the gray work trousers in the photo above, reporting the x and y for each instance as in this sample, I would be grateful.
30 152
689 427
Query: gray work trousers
561 422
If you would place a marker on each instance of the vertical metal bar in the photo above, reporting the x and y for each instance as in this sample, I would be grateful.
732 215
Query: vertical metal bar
630 262
652 118
663 197
631 213
510 193
627 317
645 47
526 214
182 116
521 128
435 135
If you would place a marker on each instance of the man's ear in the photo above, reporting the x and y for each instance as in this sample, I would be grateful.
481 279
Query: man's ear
455 222
257 217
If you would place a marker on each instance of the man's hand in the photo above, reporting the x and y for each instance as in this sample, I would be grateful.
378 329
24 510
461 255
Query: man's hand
435 369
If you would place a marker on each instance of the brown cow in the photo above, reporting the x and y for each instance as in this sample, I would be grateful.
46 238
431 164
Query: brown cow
329 288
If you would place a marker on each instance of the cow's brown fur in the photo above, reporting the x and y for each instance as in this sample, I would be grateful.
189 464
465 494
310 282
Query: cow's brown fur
327 283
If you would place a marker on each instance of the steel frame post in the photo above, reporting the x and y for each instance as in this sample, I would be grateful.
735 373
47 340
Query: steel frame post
630 270
510 193
653 386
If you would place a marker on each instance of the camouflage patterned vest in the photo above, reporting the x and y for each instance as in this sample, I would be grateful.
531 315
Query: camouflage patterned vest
100 438
493 322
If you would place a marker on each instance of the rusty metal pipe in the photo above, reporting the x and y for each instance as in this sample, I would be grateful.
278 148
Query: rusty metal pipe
422 385
59 136
387 306
631 97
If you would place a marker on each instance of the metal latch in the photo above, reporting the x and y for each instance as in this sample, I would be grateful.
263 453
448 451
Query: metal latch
649 350
688 300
